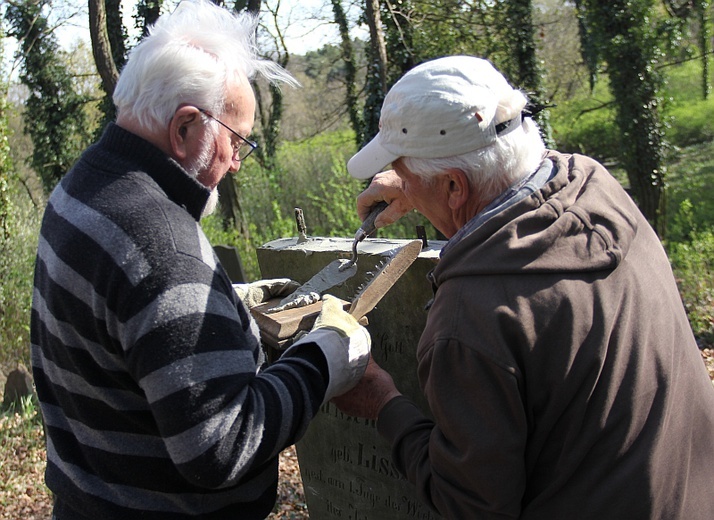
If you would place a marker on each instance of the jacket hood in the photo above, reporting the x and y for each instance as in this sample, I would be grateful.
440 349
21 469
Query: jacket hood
581 220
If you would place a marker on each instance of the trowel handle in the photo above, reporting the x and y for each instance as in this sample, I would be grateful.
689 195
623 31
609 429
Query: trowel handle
368 226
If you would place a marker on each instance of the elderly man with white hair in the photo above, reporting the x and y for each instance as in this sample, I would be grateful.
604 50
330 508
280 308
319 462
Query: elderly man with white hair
561 373
151 378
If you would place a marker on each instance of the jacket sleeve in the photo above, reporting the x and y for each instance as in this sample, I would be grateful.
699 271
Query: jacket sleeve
469 461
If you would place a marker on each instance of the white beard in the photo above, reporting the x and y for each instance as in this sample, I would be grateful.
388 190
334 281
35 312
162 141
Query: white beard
211 203
195 166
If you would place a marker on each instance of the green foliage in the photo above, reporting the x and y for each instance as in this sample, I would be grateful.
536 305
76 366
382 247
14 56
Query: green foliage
54 116
586 123
691 113
311 176
690 234
17 259
689 194
5 169
19 226
579 130
28 410
693 265
218 234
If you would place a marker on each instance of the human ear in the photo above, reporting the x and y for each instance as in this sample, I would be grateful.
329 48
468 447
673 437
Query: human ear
183 128
459 188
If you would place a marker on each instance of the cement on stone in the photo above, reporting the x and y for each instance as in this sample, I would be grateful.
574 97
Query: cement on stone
369 246
336 272
312 290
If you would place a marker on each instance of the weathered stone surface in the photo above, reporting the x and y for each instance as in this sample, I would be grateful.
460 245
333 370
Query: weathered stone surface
345 465
17 386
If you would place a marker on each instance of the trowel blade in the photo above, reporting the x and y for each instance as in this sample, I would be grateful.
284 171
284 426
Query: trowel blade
385 278
325 279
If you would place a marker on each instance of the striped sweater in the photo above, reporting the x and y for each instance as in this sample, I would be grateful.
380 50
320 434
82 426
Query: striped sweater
147 366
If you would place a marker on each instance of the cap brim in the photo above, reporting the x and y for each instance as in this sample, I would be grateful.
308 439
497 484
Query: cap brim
370 160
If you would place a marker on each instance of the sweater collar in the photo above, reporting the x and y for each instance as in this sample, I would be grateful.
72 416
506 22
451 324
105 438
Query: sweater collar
170 176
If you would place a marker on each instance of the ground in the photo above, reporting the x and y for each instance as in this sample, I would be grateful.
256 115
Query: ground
23 494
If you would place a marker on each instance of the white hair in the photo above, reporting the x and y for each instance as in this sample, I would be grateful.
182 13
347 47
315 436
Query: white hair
193 56
491 170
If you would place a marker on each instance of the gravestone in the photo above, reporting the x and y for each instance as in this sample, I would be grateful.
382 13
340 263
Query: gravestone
17 385
345 465
231 262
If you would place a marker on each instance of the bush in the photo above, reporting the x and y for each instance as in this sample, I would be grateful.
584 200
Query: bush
691 122
17 260
689 192
693 265
590 133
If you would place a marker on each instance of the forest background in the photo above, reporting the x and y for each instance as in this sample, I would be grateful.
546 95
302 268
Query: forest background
625 81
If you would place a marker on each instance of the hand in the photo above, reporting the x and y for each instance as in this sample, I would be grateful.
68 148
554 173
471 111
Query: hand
255 293
374 390
385 186
343 341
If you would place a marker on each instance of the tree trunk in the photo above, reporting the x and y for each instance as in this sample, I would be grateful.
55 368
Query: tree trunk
702 8
376 40
230 207
101 48
377 70
625 40
529 74
351 97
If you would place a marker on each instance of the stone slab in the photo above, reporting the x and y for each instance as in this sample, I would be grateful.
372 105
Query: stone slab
345 465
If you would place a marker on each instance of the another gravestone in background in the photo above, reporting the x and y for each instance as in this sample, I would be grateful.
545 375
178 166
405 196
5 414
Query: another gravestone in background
17 385
345 465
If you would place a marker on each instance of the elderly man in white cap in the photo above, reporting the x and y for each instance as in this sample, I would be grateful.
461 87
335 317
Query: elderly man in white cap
561 373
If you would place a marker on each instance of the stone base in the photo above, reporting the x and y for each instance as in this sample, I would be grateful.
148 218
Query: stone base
346 466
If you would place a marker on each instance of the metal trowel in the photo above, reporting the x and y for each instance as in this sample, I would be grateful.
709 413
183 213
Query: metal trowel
335 273
366 229
311 291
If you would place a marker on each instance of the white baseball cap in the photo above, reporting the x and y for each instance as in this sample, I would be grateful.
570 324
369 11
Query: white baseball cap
441 108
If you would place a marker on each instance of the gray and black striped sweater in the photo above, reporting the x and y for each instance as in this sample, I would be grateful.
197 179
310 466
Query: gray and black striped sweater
146 364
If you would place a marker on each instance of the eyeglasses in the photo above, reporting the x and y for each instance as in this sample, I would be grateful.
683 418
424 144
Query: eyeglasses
243 148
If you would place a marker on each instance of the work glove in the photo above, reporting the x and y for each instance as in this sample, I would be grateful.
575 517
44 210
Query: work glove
345 344
333 316
256 293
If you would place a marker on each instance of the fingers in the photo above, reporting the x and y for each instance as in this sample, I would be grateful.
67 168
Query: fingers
368 397
385 186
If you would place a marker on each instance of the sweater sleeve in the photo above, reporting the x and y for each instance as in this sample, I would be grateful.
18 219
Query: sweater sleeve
194 350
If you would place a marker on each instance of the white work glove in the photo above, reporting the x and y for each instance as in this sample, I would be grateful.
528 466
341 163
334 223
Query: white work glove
344 342
255 293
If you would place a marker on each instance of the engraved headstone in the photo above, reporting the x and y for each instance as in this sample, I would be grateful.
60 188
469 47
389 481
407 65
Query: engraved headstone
345 465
